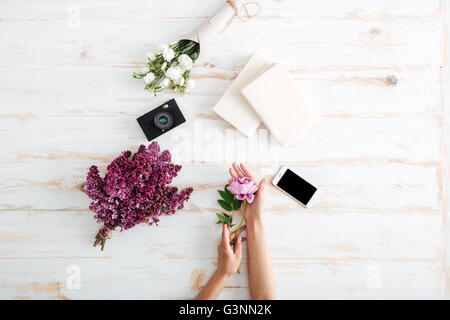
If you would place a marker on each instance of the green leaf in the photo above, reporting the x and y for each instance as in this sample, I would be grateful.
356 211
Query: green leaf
194 56
236 204
222 218
225 219
225 205
228 197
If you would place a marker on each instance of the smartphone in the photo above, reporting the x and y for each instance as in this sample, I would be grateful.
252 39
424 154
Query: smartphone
296 187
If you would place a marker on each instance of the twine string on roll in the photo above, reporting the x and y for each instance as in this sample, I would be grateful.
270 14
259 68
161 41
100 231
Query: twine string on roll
237 10
243 12
245 7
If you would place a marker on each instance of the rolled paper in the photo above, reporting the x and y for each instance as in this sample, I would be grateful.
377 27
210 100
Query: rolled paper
217 23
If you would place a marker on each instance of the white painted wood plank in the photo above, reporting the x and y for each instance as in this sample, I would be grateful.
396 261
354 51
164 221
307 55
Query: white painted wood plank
310 41
293 236
338 91
164 279
354 187
360 280
404 139
286 9
302 280
316 252
445 161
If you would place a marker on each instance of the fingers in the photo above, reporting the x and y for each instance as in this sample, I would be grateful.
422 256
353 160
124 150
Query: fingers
225 234
261 186
262 183
238 170
243 239
238 251
232 173
233 234
246 172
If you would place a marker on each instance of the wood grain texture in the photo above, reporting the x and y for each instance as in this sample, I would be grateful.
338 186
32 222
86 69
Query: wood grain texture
445 166
377 72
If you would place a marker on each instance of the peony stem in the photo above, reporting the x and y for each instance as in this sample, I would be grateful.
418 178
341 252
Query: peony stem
238 229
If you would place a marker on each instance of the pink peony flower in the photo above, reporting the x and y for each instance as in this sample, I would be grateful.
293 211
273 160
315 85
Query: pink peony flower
243 188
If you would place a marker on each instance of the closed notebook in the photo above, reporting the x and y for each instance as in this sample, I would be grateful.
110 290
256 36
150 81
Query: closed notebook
233 107
276 99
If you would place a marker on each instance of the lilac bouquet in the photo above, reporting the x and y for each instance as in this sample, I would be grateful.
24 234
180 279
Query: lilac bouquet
134 190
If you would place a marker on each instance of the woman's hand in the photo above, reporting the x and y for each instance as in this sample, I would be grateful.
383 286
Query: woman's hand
254 209
260 270
228 261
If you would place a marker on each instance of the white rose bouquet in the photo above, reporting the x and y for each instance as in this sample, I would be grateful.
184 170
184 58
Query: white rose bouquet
171 66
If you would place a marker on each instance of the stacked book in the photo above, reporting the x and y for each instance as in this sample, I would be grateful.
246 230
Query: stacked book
264 92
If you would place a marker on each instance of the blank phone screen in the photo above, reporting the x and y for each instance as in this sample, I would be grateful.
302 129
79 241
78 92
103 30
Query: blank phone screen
297 187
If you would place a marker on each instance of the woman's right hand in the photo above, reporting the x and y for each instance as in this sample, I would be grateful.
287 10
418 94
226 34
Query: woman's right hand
255 209
228 261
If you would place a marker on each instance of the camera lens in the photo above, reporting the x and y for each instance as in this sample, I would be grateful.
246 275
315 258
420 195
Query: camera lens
163 120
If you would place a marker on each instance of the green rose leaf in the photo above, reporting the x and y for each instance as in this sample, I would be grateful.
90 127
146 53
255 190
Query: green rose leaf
225 205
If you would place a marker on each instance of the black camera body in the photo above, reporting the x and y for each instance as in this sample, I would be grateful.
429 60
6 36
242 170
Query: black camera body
160 120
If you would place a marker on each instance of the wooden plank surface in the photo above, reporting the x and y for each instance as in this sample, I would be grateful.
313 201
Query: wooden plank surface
377 72
445 98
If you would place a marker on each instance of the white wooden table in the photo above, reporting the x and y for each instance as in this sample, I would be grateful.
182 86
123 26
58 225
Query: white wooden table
378 73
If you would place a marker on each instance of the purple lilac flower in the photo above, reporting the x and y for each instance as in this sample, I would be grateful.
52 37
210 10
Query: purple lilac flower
135 189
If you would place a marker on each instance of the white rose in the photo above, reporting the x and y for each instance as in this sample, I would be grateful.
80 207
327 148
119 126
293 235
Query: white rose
185 62
173 74
162 47
149 78
168 54
150 56
190 84
180 81
165 83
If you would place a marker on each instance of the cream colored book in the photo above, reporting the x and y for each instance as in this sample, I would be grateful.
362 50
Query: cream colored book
280 105
233 107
